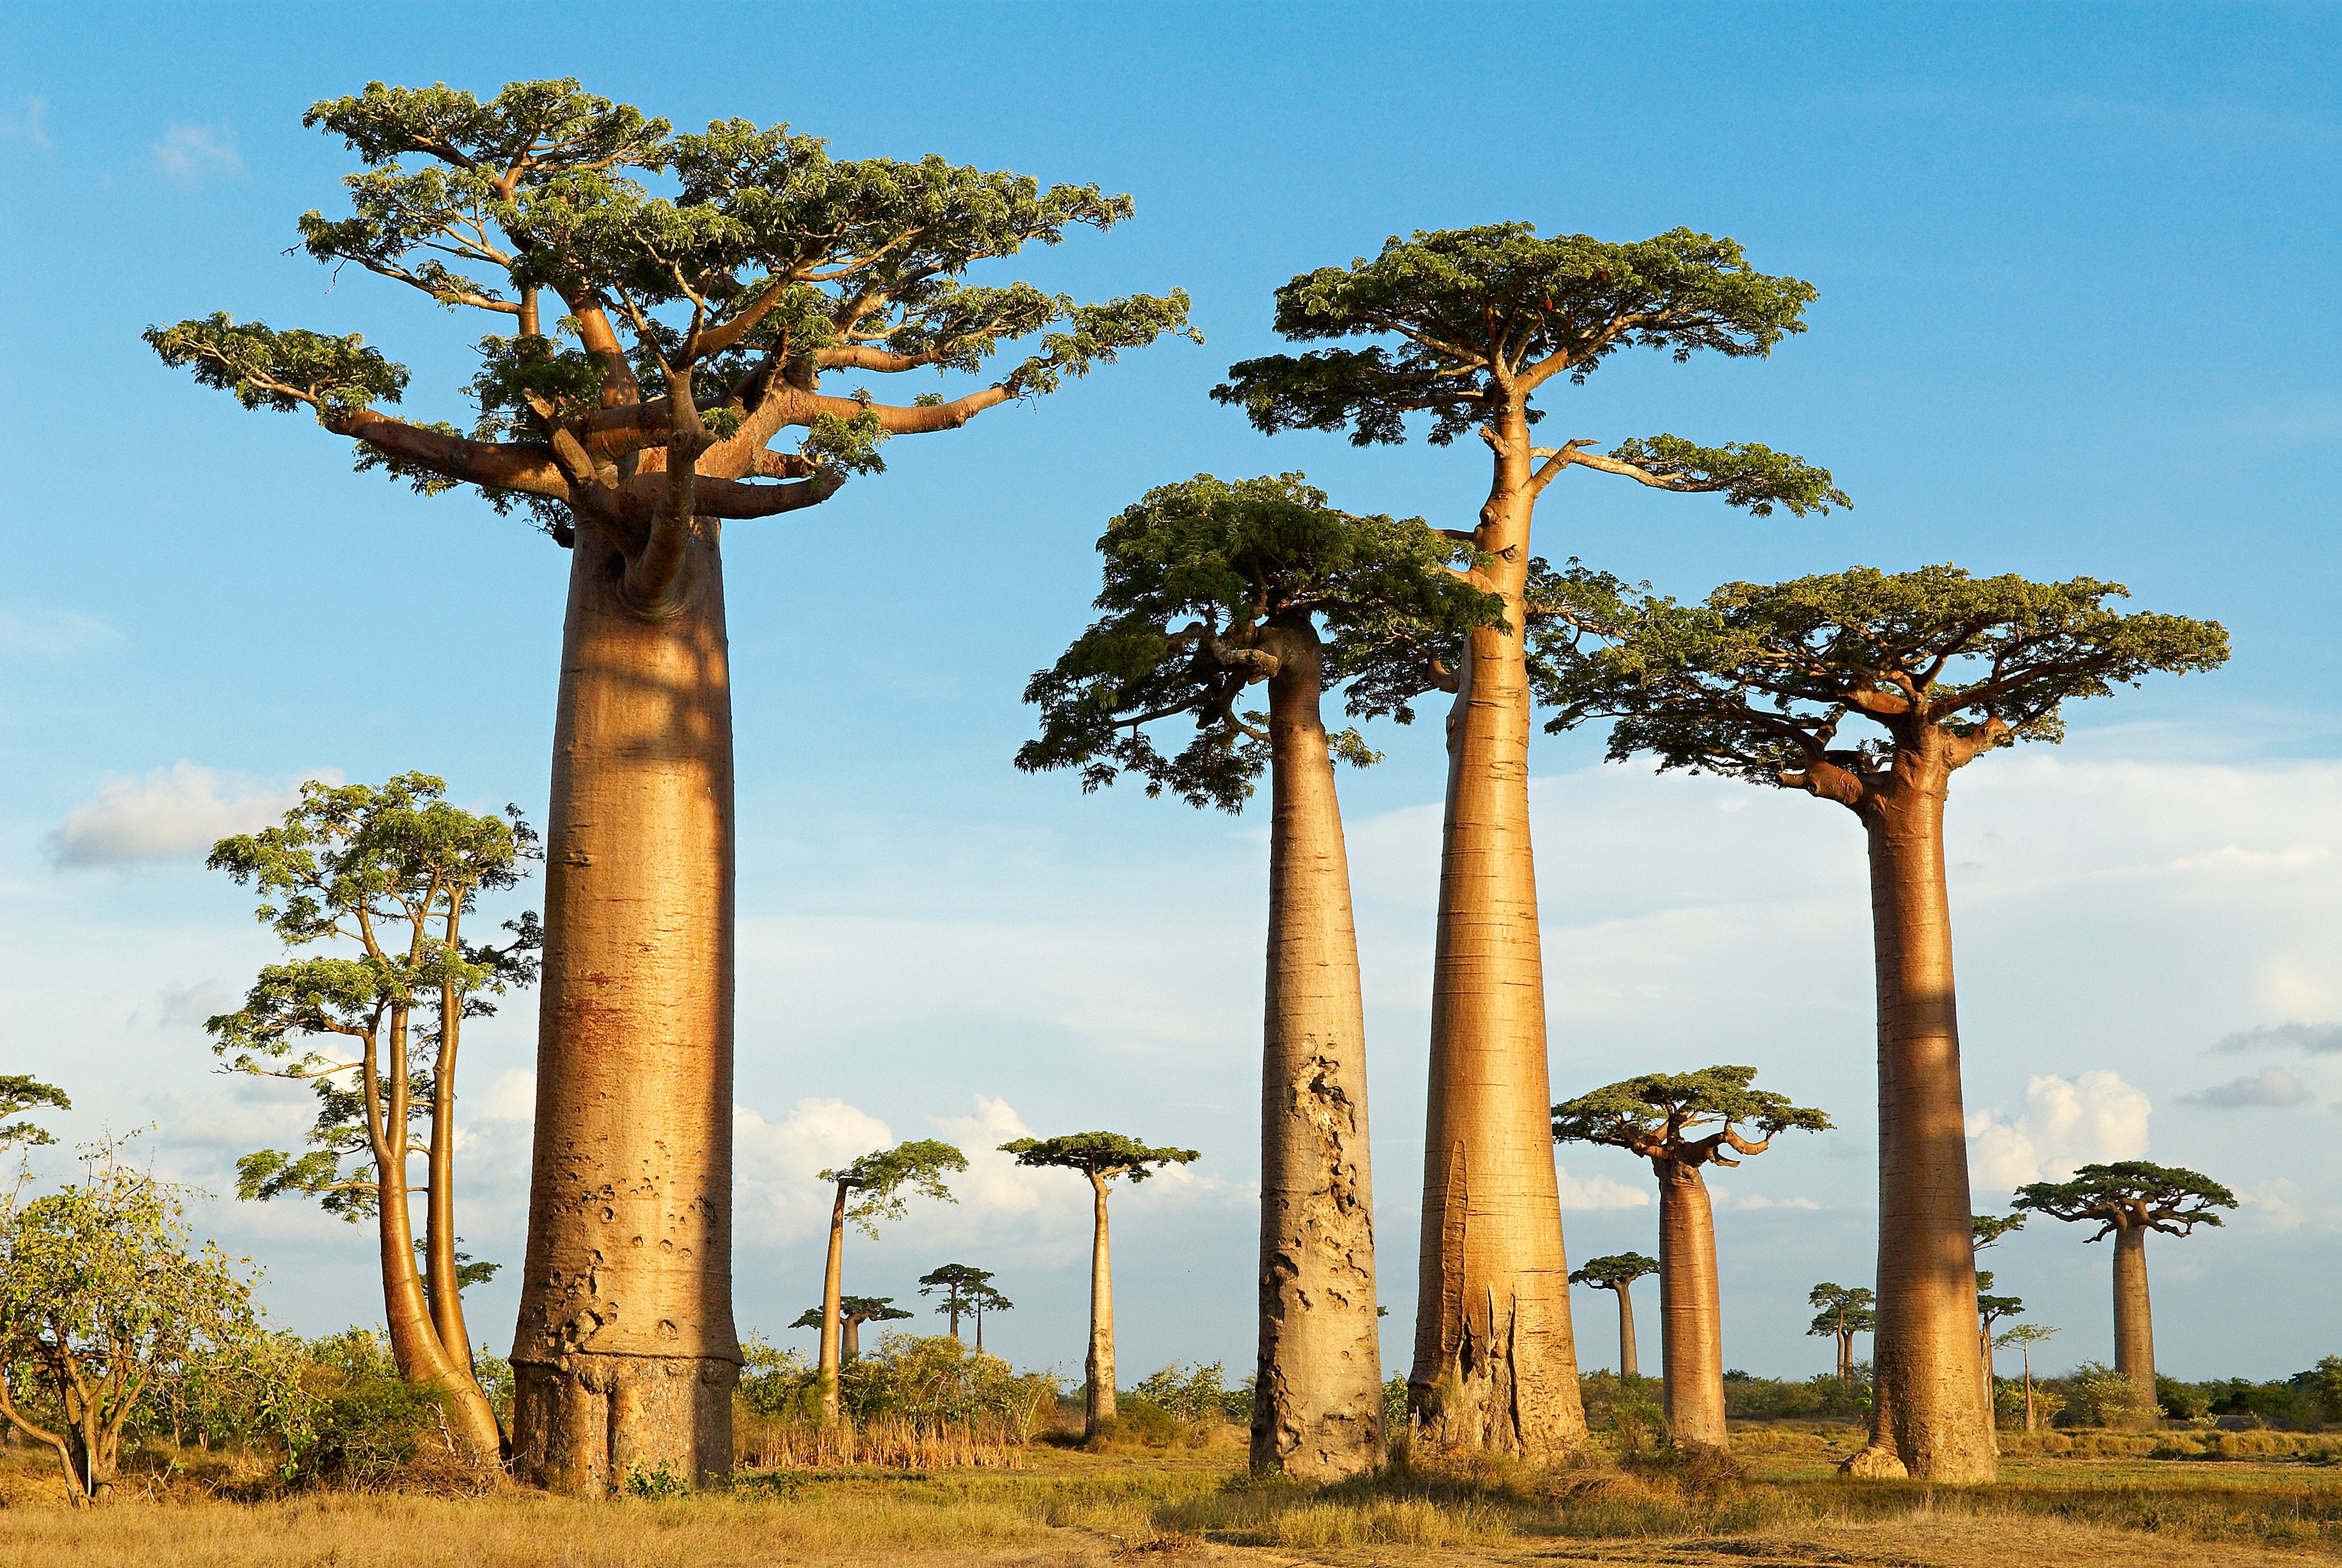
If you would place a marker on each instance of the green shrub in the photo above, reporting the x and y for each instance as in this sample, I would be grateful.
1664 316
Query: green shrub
2182 1400
2096 1394
1139 1420
1197 1394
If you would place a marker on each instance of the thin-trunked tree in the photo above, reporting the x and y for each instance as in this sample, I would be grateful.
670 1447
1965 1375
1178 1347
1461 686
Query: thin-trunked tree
1618 1274
1100 1158
386 878
1473 323
2025 1336
654 346
1213 586
877 1186
1984 1231
853 1312
981 1298
1845 1312
960 1283
2126 1199
1665 1117
1756 682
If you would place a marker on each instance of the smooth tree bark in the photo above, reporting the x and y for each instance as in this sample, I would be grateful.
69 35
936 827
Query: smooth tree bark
876 1186
1756 682
1100 1158
1844 1314
1661 1117
691 328
390 872
1618 1274
1473 323
2126 1199
1263 563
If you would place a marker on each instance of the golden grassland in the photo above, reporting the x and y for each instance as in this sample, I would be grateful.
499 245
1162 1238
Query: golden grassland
2095 1499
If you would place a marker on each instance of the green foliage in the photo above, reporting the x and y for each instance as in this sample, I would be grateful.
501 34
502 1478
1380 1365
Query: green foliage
855 1310
1843 1310
1204 581
1821 1397
1139 1420
280 370
1099 1155
935 1381
966 1289
1463 313
1395 1404
1656 1115
878 1180
1746 473
20 1093
1198 1391
1615 1270
778 1384
2182 1400
2131 1194
1985 1230
2097 1396
2324 1384
1755 681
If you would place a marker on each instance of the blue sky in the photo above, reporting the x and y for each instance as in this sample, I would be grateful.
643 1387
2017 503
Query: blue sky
2078 314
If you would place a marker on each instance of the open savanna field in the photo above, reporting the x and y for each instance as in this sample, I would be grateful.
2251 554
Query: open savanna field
2277 1499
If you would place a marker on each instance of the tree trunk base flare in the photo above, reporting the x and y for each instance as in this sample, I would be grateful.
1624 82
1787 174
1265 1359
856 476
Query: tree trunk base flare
1874 1464
585 1427
1496 1392
1691 1342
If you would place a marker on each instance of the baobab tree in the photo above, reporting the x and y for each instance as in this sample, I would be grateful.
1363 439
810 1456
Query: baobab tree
853 1312
1756 682
1665 1118
1984 1231
383 879
1213 586
1844 1314
874 1187
2126 1199
20 1093
958 1282
1618 1274
1470 326
1100 1158
983 1298
669 306
2025 1336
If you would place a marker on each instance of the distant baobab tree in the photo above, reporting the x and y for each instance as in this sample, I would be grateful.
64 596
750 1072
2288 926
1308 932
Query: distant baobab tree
1844 1314
1468 327
1214 587
20 1093
1680 1122
1756 682
670 308
1100 1158
956 1281
2126 1199
874 1187
371 887
1618 1274
853 1312
981 1298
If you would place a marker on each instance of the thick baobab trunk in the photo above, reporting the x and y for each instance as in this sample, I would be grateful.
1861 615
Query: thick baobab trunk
849 1339
1691 1339
1627 1366
1318 1398
625 1356
1494 1366
2134 1315
831 1355
1097 1401
1926 1410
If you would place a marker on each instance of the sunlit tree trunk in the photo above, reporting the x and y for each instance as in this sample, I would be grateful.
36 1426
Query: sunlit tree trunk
2134 1314
1097 1403
444 1293
1494 1366
625 1356
1627 1364
1691 1341
1926 1409
830 1357
1318 1399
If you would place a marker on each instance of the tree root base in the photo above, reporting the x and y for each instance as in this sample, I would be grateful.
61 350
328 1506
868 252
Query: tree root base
590 1425
1875 1464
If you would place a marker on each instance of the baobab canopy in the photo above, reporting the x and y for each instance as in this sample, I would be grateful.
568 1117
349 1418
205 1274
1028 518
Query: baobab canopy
2131 1194
1656 1114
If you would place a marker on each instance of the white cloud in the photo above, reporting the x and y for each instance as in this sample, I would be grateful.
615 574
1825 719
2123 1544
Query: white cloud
188 152
777 1193
2272 1205
1758 1201
178 811
1596 1191
511 1098
994 1182
2270 1086
2317 1039
51 634
2091 1119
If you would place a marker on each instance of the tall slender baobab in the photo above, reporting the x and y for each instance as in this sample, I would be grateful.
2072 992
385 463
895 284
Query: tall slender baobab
1100 1158
2126 1199
662 337
1618 1274
387 874
958 1282
1844 1314
870 1189
1664 1117
1213 586
1756 682
1471 325
982 1298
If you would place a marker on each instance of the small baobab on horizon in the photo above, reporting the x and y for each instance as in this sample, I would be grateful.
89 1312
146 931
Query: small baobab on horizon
1618 1274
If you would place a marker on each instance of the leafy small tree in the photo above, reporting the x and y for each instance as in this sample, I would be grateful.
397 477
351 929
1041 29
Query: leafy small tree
20 1093
1756 682
877 1186
853 1312
2025 1336
1470 327
1618 1273
1213 586
384 879
1665 1118
682 329
1844 1314
958 1282
1100 1158
2126 1199
104 1295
